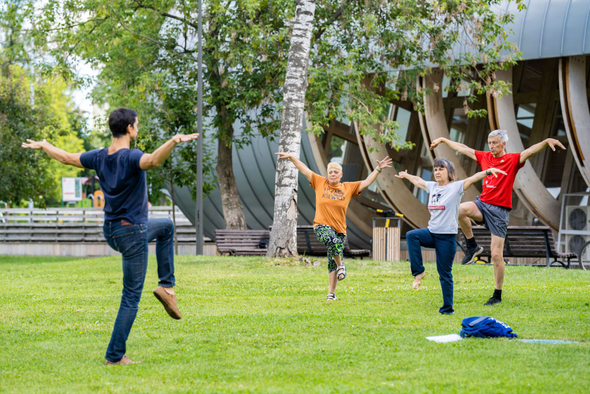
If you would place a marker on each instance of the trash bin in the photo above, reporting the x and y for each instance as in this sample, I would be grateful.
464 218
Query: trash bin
386 238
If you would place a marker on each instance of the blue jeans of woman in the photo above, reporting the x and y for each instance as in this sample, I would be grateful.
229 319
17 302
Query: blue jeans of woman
131 240
445 246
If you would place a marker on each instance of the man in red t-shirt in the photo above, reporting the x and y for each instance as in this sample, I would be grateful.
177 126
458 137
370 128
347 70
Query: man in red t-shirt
493 206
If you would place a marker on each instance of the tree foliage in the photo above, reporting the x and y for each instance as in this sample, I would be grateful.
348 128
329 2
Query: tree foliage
146 53
31 106
147 46
24 174
367 54
364 55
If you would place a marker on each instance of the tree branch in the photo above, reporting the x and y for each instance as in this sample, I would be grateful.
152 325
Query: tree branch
332 19
134 33
167 15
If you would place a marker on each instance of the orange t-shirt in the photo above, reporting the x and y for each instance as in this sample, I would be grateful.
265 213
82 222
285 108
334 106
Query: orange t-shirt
331 202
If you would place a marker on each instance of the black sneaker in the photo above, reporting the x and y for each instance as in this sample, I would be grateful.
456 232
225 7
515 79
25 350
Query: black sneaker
471 255
331 297
493 301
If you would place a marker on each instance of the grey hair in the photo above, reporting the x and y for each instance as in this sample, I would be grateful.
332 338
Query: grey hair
502 134
444 163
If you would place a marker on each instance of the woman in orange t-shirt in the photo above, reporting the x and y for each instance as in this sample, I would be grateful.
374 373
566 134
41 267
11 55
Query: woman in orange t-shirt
331 200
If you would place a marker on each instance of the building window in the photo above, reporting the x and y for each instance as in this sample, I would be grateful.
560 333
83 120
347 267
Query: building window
426 174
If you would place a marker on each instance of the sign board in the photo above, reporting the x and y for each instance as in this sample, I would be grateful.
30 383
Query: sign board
71 189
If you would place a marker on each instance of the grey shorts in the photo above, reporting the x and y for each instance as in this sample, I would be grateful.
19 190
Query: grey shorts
495 218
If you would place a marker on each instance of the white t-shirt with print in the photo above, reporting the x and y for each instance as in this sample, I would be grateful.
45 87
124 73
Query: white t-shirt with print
443 204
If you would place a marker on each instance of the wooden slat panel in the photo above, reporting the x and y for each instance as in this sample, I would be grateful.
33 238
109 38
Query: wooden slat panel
386 243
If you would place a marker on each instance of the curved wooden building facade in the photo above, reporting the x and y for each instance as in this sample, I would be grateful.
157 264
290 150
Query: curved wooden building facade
550 92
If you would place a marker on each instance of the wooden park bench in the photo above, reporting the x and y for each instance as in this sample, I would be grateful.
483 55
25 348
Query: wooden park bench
309 244
528 241
241 242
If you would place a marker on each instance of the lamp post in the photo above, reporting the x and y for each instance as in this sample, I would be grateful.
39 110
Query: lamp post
199 208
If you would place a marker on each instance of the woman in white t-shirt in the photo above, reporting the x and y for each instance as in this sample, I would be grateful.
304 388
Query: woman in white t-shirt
443 203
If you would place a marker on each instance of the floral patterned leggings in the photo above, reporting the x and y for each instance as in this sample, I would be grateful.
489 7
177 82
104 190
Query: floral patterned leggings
334 242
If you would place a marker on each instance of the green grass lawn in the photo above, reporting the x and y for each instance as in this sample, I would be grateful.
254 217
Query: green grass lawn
253 325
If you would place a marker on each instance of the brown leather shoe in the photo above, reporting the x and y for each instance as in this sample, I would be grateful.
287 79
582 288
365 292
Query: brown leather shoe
169 302
124 361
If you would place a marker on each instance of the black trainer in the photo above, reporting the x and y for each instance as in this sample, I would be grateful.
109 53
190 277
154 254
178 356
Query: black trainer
471 254
493 300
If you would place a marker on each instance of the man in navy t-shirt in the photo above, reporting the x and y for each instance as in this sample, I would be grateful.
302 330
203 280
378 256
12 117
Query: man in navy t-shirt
127 229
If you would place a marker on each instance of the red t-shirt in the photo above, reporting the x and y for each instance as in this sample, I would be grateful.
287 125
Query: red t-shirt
498 190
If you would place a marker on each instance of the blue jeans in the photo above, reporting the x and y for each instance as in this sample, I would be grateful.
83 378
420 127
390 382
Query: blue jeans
445 246
131 240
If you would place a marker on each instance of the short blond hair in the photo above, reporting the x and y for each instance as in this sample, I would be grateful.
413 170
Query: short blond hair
333 164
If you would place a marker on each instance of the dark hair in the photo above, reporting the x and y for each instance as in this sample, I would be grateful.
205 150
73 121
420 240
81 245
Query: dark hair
119 119
444 163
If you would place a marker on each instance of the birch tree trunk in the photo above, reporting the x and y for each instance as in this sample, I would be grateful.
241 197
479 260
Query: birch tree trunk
283 237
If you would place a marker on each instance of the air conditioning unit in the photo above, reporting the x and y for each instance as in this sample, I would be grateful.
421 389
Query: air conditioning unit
577 218
574 243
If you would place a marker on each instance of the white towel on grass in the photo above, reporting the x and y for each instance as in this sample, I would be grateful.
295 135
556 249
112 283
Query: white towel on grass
445 338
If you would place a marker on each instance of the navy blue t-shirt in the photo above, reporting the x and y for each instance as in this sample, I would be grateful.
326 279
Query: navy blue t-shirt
122 181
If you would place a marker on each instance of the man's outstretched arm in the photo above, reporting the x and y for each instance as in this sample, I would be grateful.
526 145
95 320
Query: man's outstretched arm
456 146
157 157
71 159
534 149
480 175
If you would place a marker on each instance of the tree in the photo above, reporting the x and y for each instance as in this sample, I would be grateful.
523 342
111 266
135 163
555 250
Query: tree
24 175
145 49
357 51
31 106
283 240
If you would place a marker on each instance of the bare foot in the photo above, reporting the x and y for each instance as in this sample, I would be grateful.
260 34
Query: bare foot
418 280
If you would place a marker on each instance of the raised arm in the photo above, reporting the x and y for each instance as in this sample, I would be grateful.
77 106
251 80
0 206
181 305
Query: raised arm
416 180
373 175
300 166
157 157
71 159
480 175
456 146
534 149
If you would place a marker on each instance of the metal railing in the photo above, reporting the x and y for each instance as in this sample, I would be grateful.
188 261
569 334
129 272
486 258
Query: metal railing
73 224
76 215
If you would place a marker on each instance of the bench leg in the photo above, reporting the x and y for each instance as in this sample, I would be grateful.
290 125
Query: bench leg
557 261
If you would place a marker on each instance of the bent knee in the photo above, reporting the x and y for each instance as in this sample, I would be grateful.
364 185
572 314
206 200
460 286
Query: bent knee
466 209
497 256
471 211
168 226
